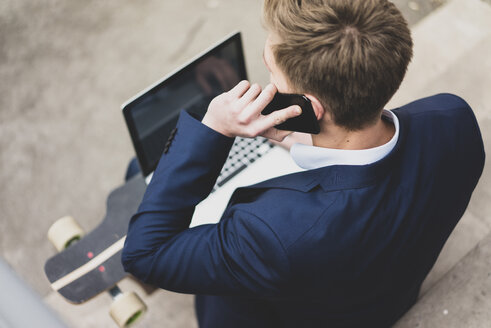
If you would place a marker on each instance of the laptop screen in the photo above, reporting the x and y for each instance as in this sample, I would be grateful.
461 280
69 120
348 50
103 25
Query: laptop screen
153 113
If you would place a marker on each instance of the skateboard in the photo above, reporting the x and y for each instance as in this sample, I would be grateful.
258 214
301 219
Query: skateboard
89 265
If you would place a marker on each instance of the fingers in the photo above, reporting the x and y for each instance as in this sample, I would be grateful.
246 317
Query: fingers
278 117
239 89
263 99
293 138
254 102
249 96
238 112
277 136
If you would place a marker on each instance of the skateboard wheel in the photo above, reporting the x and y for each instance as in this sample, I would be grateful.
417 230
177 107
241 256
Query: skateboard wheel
126 309
64 232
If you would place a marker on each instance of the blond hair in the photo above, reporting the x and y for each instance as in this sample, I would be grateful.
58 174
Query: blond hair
351 54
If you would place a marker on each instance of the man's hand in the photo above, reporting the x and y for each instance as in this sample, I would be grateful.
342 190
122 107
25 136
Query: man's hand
295 137
237 113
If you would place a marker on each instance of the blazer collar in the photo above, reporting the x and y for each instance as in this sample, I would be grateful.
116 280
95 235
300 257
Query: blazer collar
339 177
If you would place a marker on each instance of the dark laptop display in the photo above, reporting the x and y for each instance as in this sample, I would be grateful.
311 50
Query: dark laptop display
151 115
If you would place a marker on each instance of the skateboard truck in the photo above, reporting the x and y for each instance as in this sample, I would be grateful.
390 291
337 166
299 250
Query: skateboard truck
126 308
87 265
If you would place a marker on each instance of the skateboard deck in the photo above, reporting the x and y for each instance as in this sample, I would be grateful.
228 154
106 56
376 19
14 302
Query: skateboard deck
93 264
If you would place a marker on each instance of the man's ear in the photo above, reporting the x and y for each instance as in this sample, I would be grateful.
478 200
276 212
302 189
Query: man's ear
319 110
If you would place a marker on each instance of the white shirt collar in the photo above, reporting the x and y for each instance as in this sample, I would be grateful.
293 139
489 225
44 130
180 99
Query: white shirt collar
311 157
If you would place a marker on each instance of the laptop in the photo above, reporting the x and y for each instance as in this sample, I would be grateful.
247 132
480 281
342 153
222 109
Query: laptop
152 114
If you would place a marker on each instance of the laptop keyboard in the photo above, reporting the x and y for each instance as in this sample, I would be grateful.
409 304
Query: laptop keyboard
243 152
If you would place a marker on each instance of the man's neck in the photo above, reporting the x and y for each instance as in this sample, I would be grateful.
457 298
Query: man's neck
333 136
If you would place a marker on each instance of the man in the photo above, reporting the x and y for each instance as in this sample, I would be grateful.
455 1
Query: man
348 241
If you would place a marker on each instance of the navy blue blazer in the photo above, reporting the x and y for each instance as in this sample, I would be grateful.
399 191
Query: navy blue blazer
338 246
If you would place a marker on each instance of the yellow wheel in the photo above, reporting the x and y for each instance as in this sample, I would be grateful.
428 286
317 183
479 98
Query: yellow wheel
64 232
126 309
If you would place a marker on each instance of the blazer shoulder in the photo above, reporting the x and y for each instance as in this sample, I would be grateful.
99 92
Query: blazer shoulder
443 109
289 213
437 103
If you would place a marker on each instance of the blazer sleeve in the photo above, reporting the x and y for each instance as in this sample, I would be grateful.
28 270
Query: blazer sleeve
241 255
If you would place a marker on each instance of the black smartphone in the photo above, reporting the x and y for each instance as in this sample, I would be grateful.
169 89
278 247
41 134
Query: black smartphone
305 122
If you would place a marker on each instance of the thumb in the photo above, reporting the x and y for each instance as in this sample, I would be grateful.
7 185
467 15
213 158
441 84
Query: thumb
275 135
282 115
278 117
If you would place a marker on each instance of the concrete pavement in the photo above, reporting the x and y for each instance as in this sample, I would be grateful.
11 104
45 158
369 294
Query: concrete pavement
66 67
